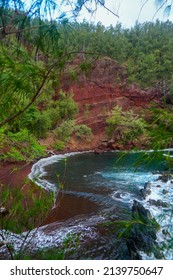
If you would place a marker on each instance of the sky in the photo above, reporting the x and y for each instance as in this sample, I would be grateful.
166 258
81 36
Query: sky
128 11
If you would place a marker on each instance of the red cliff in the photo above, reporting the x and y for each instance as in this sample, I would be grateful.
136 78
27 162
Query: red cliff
104 87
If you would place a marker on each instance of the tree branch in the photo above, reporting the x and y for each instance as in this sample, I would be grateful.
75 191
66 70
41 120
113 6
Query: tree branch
39 90
106 8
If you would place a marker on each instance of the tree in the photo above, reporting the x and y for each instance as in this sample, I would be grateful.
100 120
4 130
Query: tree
30 50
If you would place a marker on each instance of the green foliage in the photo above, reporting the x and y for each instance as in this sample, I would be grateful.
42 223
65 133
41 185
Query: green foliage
146 49
65 130
40 125
171 88
70 245
49 254
83 132
14 154
86 67
54 115
72 74
161 128
19 77
21 146
25 212
20 135
67 107
156 132
59 145
126 126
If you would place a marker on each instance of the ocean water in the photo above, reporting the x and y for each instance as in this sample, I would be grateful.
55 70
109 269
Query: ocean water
97 188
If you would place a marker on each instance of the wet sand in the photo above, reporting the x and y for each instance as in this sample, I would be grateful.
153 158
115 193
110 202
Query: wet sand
15 176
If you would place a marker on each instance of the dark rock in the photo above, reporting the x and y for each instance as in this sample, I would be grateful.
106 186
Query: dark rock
117 195
164 178
126 250
146 190
103 146
165 232
51 153
141 235
98 151
158 186
144 230
3 211
139 211
164 191
158 203
147 185
112 141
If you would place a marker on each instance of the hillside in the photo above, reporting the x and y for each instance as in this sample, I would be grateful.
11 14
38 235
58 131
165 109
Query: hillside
97 93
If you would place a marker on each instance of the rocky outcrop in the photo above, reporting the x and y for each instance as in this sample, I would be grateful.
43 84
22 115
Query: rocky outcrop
137 235
165 177
142 235
146 190
158 203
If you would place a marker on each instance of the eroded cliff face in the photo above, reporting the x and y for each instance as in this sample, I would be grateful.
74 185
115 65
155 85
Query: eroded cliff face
104 87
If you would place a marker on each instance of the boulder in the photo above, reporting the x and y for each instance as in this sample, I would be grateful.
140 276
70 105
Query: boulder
165 177
146 190
158 203
98 151
164 191
144 230
3 211
139 211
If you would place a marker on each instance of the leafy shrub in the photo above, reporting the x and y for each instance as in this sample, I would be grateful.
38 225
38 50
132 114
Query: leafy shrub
86 67
59 145
126 126
67 106
161 128
41 124
72 74
54 115
14 154
25 211
23 146
19 137
65 130
83 132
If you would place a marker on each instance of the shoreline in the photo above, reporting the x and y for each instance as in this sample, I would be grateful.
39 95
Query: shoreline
16 174
62 211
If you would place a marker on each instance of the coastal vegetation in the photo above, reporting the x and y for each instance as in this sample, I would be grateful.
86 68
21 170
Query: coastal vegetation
35 55
39 58
27 109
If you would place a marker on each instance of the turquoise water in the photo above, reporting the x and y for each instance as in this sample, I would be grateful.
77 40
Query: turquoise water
106 180
90 189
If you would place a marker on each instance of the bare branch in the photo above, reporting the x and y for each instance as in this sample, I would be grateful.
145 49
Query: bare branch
109 10
159 9
142 8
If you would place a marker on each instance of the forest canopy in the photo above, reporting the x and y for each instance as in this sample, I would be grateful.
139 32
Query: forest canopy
35 49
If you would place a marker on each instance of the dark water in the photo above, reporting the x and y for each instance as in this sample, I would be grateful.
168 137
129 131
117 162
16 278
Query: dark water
91 189
105 183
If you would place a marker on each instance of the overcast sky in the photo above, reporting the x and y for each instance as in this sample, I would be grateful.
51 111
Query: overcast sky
128 11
